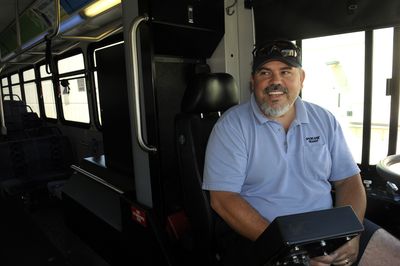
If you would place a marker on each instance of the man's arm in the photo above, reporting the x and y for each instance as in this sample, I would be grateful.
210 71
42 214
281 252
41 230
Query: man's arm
238 214
350 191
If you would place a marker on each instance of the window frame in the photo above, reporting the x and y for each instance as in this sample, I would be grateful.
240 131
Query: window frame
23 82
112 40
365 165
19 83
40 79
59 77
7 77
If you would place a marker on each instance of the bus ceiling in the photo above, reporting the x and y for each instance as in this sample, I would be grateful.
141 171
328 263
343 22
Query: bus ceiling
295 20
27 26
23 40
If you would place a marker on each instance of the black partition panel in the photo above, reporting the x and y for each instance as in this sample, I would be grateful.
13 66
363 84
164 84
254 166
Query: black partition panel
187 28
172 76
114 108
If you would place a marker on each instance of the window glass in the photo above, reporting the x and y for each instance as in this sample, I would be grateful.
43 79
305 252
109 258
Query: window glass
28 75
31 96
382 70
49 99
74 99
30 90
70 64
334 67
4 82
74 95
16 91
14 79
43 72
6 93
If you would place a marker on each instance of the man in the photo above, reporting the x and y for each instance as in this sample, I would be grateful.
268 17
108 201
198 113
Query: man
275 155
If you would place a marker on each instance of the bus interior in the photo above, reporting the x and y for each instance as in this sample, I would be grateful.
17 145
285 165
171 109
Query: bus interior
106 107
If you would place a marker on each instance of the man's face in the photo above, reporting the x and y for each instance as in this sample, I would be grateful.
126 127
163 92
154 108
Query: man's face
276 87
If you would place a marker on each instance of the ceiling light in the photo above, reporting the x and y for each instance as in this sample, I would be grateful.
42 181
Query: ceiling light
99 6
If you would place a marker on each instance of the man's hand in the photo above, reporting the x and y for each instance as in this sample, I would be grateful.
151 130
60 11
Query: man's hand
345 255
323 260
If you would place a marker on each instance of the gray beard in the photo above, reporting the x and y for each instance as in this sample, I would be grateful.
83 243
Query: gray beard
274 112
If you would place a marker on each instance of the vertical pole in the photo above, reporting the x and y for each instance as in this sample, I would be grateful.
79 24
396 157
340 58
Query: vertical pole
394 101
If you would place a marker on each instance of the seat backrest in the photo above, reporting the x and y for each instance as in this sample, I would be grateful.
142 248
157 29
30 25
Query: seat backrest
18 119
13 111
206 97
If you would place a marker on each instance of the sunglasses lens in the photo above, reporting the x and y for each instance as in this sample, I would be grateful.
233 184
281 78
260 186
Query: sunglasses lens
288 52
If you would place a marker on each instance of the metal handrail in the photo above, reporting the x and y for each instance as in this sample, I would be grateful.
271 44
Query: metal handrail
135 65
93 38
96 178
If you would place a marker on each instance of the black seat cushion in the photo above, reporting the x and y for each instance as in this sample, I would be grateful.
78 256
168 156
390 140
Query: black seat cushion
206 97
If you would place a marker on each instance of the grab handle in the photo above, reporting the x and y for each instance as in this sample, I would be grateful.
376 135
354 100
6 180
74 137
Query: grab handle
136 100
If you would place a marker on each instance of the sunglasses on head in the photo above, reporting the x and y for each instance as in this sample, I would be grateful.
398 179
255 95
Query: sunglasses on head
284 48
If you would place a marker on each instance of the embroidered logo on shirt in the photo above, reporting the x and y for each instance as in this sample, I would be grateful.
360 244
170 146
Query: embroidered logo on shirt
312 139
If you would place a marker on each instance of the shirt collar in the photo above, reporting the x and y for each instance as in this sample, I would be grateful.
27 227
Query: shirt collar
301 112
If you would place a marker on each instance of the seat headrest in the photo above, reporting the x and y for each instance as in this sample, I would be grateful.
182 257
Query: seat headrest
210 92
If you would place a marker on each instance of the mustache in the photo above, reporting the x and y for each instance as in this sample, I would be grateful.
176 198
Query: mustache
275 88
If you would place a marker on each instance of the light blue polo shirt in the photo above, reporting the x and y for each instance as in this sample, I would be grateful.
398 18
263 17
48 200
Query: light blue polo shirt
278 173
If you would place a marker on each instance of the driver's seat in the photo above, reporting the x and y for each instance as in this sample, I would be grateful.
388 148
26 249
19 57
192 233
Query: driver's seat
206 97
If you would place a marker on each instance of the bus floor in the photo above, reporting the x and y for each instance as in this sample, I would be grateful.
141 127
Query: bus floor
34 234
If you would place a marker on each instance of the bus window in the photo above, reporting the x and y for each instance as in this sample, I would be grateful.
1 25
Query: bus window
4 82
74 99
334 67
16 87
30 90
6 91
43 72
70 64
4 87
28 75
73 89
380 113
49 99
48 93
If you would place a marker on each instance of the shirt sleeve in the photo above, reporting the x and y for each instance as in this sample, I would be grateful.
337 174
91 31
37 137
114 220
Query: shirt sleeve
226 158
